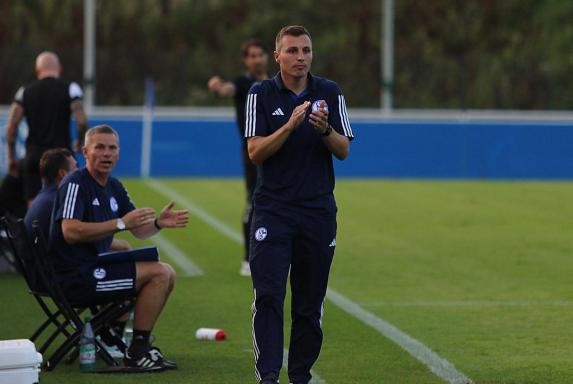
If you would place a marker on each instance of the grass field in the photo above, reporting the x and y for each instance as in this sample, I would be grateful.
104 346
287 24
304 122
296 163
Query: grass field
479 272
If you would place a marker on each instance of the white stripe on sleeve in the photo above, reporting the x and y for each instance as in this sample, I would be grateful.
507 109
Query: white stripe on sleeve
70 201
73 206
254 112
75 91
251 115
247 116
68 192
248 122
344 117
19 97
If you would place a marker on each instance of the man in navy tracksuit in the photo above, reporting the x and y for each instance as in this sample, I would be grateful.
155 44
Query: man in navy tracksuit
295 122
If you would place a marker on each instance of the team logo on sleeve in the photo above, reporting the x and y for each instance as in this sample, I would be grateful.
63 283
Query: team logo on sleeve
99 273
113 204
316 105
261 234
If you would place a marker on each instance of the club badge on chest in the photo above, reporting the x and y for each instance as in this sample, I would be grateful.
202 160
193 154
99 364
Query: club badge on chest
315 107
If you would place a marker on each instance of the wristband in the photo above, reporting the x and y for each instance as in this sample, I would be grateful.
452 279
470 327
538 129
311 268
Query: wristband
156 224
327 131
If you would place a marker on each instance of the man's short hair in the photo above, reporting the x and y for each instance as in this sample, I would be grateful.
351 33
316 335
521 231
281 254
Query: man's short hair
52 161
290 30
251 43
101 129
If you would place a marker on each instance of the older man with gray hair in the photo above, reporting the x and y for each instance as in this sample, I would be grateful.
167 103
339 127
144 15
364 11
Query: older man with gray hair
91 206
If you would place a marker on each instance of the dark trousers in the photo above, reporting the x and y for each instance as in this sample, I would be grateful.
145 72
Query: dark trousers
303 241
250 175
31 174
12 198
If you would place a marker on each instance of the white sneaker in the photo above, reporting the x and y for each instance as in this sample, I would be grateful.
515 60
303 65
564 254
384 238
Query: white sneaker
245 269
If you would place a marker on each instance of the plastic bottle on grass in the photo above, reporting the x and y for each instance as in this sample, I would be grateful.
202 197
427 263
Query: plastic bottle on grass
210 334
128 330
87 348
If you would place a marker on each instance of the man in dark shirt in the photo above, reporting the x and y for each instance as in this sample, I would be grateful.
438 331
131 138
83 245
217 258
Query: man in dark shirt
47 105
55 164
255 59
90 207
295 122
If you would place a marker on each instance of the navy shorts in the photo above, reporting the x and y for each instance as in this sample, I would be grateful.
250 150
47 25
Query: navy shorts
98 283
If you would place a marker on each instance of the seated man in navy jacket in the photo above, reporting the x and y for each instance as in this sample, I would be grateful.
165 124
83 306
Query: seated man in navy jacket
91 206
55 164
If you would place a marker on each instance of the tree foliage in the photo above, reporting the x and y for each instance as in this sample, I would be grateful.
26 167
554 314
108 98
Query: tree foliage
513 54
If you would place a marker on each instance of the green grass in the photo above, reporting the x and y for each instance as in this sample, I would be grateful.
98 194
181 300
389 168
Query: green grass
479 272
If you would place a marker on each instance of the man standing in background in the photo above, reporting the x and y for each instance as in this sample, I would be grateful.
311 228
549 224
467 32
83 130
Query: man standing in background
255 59
47 105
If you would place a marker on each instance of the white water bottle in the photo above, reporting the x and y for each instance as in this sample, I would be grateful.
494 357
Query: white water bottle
128 330
87 348
210 334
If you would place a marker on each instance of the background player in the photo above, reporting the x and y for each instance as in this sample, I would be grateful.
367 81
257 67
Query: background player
47 105
255 59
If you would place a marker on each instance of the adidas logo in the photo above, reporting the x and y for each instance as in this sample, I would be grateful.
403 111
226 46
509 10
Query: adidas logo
95 202
333 243
278 112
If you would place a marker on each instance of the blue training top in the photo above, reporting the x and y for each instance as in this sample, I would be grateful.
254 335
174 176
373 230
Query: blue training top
301 171
81 197
41 210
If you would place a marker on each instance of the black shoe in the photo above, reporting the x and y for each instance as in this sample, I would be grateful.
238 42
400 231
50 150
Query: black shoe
156 353
147 362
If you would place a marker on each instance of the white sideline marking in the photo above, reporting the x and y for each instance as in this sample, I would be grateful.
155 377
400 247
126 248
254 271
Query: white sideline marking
175 254
439 366
195 209
471 303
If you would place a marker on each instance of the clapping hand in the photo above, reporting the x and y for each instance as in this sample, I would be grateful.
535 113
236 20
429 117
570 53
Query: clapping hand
319 118
297 116
170 218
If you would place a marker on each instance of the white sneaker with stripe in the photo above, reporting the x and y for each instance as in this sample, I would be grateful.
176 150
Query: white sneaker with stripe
146 363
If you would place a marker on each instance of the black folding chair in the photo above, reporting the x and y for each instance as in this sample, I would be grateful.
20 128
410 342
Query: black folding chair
37 267
6 252
103 313
19 246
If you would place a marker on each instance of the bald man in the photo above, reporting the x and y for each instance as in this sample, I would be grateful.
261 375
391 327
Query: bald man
48 103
